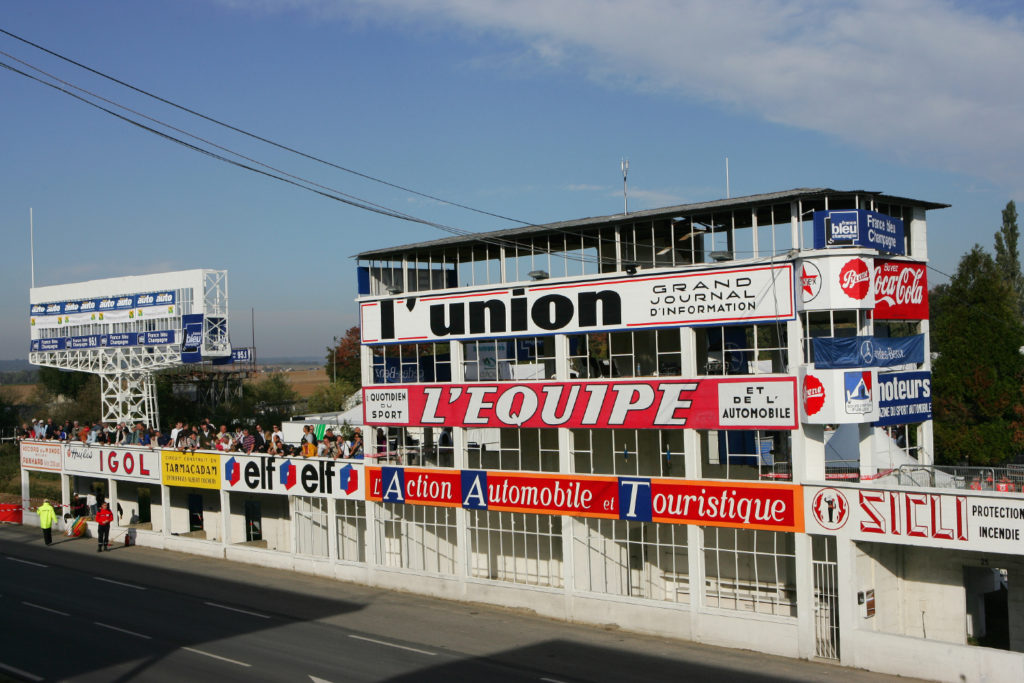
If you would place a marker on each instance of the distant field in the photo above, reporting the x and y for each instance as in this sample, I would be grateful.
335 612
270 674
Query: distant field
306 381
18 393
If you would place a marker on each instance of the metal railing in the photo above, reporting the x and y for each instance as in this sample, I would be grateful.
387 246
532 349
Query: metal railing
1009 479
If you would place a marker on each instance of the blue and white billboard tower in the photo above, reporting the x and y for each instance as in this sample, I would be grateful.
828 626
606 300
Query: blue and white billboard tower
125 328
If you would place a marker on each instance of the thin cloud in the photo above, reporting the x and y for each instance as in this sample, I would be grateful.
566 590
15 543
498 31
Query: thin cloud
924 82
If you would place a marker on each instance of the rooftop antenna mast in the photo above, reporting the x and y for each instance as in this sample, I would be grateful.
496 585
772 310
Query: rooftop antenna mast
625 200
727 195
31 247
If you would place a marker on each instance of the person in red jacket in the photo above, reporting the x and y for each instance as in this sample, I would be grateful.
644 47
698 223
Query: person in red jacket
103 519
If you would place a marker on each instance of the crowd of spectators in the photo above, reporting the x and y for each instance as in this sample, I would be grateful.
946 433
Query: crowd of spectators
202 436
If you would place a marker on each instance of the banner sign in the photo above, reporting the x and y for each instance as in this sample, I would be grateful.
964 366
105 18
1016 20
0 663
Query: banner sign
141 464
241 355
692 297
776 507
728 504
838 396
441 488
192 338
99 341
925 518
835 281
740 403
867 352
858 228
296 476
904 397
901 291
107 309
41 456
194 470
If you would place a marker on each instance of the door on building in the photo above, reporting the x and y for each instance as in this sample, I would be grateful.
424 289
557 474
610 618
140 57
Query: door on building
253 521
195 512
988 614
144 505
826 597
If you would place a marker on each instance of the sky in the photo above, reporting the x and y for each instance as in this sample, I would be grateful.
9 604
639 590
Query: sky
522 108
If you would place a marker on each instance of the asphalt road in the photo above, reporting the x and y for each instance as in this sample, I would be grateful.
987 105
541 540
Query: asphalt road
70 613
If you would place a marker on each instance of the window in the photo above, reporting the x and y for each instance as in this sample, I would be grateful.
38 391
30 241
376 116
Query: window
847 323
350 519
416 537
640 353
311 526
742 349
513 449
635 559
750 570
412 446
525 358
634 452
516 547
746 454
404 363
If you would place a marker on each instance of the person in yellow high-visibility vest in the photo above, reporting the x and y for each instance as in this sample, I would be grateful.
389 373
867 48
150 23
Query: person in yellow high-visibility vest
46 519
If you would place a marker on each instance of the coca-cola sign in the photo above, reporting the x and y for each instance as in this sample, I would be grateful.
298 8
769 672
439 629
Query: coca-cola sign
855 279
901 291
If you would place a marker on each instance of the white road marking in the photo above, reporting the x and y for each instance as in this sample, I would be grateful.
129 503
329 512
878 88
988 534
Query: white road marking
210 654
34 564
20 672
318 680
235 609
552 680
120 583
384 642
122 630
45 609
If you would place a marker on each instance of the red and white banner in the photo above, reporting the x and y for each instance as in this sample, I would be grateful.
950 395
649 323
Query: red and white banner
41 455
442 488
139 464
652 299
988 523
835 281
901 291
720 403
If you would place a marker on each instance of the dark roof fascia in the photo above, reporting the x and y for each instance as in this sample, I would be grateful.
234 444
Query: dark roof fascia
664 212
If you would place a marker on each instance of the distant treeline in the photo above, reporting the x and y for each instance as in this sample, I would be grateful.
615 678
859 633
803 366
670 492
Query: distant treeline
19 377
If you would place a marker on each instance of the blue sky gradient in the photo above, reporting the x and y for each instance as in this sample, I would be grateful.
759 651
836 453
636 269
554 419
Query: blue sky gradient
521 108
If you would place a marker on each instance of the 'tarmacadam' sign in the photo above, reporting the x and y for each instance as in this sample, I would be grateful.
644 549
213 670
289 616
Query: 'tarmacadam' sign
693 297
763 403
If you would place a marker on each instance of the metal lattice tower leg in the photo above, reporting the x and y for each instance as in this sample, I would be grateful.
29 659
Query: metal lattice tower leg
130 397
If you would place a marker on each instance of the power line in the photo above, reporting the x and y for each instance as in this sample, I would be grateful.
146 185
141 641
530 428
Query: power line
260 138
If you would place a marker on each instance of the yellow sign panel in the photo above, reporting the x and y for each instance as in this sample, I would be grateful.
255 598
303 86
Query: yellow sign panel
196 470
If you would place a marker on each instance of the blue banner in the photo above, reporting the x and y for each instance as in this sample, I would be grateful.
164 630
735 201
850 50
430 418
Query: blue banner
904 397
123 339
159 337
867 352
241 355
192 339
858 228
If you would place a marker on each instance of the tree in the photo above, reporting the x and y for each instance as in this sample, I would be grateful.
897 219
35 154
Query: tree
1008 255
62 382
979 414
343 359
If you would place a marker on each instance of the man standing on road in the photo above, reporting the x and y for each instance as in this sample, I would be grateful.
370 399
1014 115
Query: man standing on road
103 519
46 519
